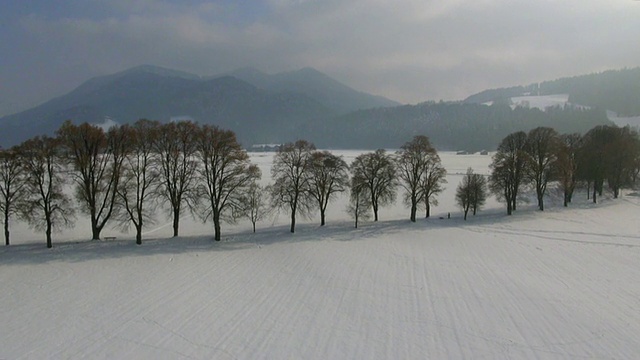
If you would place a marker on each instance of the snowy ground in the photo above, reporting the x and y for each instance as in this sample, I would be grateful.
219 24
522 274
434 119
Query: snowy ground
563 284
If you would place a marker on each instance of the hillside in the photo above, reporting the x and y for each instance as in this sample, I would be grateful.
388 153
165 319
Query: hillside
615 90
450 126
316 85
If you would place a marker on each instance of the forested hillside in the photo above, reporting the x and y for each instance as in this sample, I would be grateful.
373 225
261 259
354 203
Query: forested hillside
451 126
616 90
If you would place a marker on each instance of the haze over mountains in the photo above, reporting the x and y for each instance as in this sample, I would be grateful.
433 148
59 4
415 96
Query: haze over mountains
263 108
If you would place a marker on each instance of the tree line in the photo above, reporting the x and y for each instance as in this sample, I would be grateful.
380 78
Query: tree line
604 155
614 90
122 175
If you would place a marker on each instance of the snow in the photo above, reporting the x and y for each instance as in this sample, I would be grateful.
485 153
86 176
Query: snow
558 284
541 102
632 121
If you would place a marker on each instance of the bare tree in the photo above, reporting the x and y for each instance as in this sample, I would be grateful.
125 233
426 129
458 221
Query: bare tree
507 168
12 186
95 164
378 172
608 153
176 152
433 181
541 150
359 200
413 160
226 175
139 176
567 164
291 175
46 206
328 177
256 204
622 156
471 193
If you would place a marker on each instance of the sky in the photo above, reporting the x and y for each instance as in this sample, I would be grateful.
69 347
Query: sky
407 50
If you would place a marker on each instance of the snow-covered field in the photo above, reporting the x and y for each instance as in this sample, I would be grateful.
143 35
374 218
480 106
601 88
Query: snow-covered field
563 284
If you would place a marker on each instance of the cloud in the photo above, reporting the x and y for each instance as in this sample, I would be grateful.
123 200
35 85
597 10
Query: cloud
408 50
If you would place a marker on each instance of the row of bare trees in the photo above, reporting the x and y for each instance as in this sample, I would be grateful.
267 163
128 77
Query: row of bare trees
306 179
605 154
123 174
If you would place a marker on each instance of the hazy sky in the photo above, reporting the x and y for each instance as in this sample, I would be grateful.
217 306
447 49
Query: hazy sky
407 50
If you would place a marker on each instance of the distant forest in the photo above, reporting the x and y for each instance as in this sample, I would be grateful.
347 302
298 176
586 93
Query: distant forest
451 126
615 90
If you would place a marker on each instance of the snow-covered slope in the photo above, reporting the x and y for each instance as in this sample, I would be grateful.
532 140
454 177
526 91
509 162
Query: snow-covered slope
544 101
633 121
541 102
558 284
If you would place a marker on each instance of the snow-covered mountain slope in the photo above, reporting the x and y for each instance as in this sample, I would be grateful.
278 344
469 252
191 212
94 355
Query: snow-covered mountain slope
633 121
544 101
541 102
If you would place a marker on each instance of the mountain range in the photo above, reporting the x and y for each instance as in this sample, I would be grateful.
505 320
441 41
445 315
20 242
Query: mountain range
259 107
276 108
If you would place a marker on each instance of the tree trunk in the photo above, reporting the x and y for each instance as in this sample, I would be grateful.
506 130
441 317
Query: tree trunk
322 217
357 209
414 208
294 208
176 222
427 212
293 222
139 228
566 199
95 231
216 230
466 210
540 202
254 226
375 213
374 205
595 192
216 225
48 233
6 228
509 209
139 234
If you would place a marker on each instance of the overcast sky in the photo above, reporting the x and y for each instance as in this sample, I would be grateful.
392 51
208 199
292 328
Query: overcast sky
406 50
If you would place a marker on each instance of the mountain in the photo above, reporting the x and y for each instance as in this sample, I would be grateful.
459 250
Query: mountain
274 111
615 90
316 85
263 108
